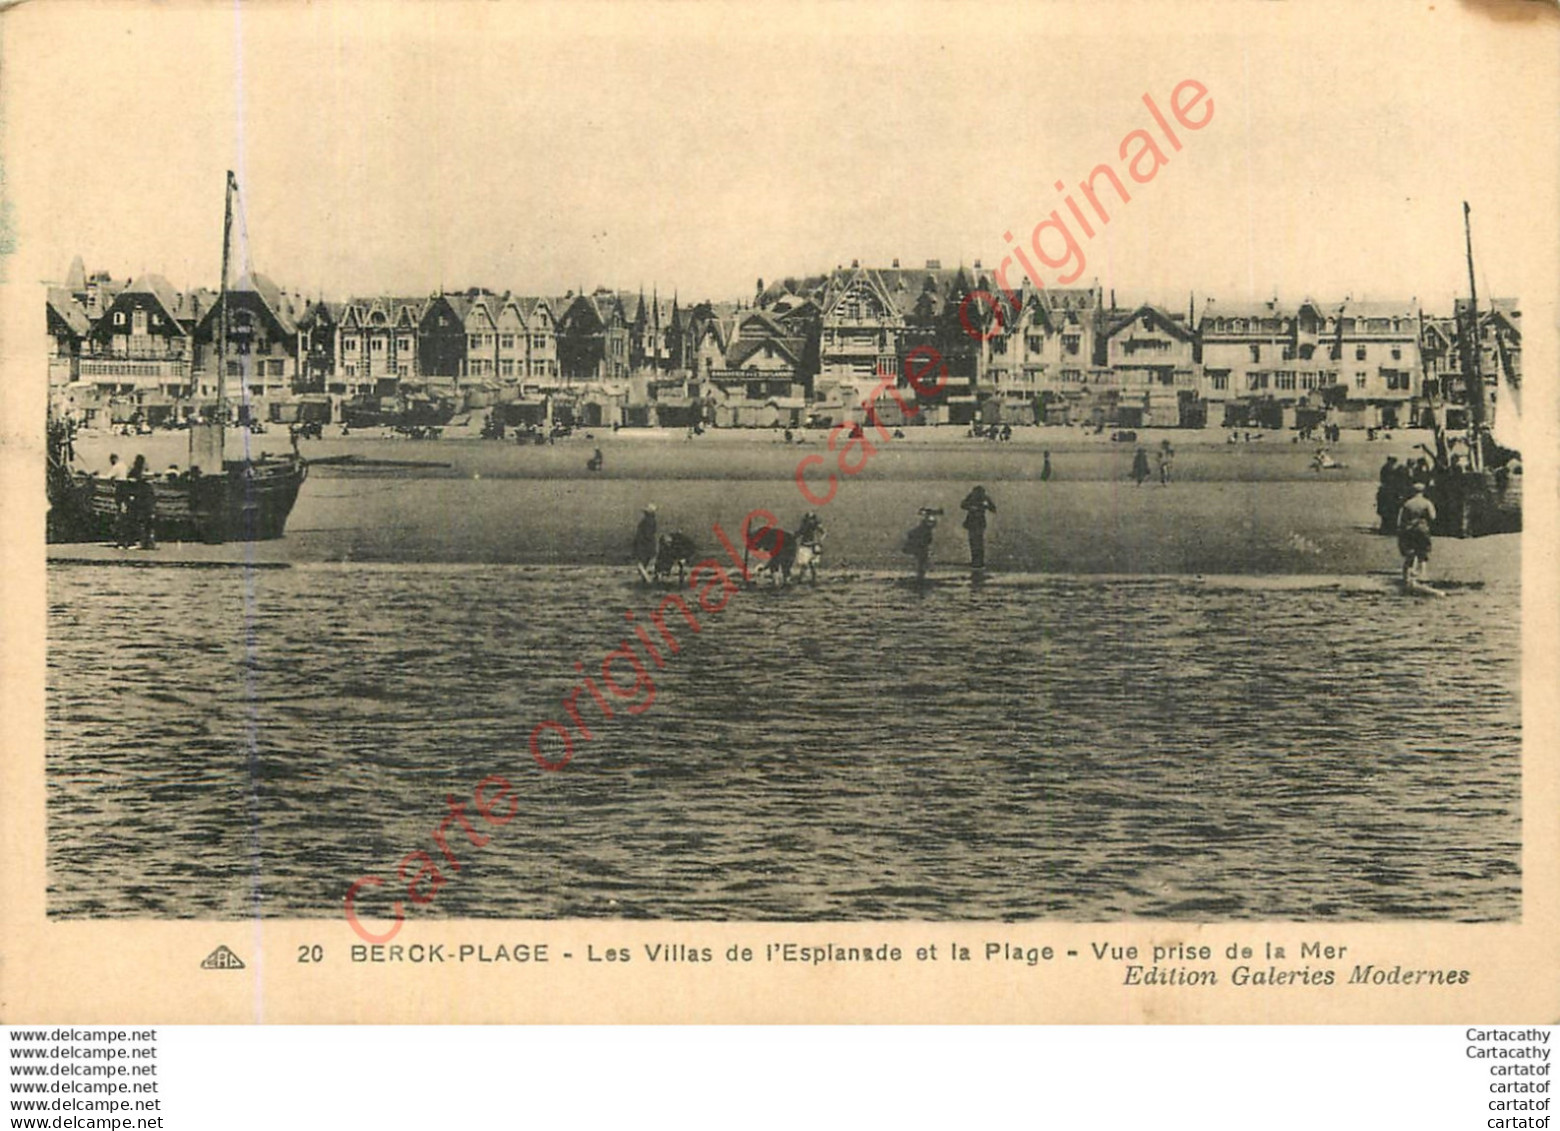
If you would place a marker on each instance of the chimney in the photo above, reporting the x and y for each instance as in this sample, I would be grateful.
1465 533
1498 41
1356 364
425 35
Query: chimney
855 263
934 264
896 264
977 265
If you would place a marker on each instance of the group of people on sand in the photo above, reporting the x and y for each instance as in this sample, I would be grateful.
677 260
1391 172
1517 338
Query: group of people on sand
918 542
1396 486
1165 459
1404 506
655 554
135 503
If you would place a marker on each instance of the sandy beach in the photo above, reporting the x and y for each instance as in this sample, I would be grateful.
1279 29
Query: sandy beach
1247 508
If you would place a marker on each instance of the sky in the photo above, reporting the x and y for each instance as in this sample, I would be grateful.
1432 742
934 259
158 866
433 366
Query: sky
403 148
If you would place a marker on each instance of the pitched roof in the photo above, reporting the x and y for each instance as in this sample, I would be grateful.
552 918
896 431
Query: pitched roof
742 350
276 301
1121 319
1237 308
158 288
1367 308
71 312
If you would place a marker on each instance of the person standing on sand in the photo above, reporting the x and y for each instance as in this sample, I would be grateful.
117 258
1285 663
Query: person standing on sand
1413 526
1045 468
142 506
975 506
1166 458
1387 500
646 544
1140 467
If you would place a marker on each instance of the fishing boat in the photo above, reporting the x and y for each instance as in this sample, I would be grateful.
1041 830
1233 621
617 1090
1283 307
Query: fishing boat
1478 486
215 500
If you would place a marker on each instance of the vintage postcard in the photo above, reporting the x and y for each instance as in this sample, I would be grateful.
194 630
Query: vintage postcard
755 512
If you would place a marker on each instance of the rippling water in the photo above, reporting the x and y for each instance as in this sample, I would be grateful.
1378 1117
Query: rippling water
223 742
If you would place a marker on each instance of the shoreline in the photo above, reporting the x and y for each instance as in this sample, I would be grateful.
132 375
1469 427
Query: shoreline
1253 509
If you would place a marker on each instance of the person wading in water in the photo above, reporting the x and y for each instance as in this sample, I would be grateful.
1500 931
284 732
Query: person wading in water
646 544
1413 531
918 543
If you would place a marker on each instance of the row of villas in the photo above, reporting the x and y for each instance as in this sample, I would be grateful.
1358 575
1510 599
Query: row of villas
1065 355
800 350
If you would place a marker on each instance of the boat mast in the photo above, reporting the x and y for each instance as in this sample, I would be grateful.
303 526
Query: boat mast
1473 379
227 229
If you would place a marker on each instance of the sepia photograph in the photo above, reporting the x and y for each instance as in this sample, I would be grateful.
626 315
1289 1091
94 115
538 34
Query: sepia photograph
830 464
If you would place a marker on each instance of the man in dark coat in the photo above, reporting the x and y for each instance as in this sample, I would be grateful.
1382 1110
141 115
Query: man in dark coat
1140 467
142 505
1388 498
918 543
975 506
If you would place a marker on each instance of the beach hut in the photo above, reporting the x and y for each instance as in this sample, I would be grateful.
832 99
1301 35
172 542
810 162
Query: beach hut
789 412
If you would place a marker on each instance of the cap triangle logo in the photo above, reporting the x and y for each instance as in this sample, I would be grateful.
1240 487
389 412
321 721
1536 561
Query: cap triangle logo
222 959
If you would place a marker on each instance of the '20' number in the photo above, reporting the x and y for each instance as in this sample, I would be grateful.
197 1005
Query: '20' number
315 953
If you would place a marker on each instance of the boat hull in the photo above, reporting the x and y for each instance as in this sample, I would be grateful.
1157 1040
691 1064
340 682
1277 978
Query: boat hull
250 502
1471 504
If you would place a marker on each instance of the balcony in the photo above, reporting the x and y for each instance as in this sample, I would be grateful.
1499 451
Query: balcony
121 370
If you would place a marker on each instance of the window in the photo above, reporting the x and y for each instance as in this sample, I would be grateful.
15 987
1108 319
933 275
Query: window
1359 379
538 341
507 341
507 367
349 344
1070 343
377 345
404 345
1256 353
1289 353
1359 353
1397 353
1032 343
1308 380
1306 352
1284 379
119 318
1256 381
474 341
